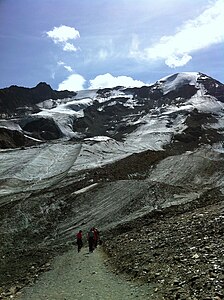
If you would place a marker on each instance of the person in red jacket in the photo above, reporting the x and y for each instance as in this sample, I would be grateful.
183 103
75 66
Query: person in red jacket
79 240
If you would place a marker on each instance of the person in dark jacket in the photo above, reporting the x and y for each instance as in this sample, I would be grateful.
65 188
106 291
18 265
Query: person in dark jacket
90 238
79 240
96 237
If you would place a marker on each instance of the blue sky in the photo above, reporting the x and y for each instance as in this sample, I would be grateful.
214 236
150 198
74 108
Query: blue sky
81 44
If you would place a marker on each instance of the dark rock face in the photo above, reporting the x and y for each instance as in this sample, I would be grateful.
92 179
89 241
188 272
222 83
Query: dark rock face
196 132
154 92
213 87
145 92
101 119
42 128
14 139
185 91
11 139
16 97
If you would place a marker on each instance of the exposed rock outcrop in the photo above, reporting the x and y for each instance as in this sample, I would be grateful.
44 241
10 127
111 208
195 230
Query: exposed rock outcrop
42 128
14 139
15 98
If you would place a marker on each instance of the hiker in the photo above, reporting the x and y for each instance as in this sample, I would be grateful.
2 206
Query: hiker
79 240
90 238
96 237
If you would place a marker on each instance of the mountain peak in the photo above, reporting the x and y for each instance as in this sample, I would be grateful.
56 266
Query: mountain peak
43 86
180 75
174 81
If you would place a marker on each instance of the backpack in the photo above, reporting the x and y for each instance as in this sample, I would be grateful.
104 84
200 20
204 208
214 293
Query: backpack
91 234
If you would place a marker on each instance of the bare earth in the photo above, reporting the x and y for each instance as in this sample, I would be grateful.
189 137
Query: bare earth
84 275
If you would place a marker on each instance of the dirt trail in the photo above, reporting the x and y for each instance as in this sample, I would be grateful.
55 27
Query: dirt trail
81 276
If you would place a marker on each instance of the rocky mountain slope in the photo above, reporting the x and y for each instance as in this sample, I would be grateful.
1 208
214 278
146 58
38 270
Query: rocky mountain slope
15 99
144 165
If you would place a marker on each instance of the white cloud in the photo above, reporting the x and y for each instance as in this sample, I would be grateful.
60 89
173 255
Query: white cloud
177 61
68 68
62 34
69 47
205 30
107 80
61 63
74 82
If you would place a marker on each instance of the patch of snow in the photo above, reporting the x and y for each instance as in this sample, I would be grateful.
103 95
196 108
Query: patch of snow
98 138
73 107
112 103
206 103
64 114
130 103
47 104
218 147
9 124
86 94
220 124
85 189
203 76
32 138
122 95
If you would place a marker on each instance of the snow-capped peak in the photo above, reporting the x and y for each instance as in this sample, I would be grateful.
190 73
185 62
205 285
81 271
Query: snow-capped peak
172 82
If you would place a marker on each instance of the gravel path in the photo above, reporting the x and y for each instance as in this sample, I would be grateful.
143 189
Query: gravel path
76 276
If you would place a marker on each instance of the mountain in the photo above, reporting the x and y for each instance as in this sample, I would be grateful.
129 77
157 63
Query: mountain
144 165
184 108
15 99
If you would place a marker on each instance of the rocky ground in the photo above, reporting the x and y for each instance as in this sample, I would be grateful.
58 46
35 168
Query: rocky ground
179 251
182 253
22 268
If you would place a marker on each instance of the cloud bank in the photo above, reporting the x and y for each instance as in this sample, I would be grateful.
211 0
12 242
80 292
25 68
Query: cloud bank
76 82
205 30
107 80
62 34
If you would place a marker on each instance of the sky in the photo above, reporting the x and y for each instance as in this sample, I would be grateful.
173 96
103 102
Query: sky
86 44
